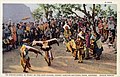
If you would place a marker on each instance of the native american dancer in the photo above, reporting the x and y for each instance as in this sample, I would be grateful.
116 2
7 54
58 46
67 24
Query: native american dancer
25 59
69 42
91 46
80 47
45 45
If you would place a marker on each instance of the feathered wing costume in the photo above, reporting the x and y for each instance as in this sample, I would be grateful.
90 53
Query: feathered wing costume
25 59
46 46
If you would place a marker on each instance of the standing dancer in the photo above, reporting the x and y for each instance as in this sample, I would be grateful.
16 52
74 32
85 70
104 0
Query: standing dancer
45 45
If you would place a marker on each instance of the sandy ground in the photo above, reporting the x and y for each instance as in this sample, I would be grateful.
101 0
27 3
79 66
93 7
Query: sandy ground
63 62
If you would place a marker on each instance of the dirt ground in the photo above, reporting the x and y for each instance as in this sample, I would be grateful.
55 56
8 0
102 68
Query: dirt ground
63 62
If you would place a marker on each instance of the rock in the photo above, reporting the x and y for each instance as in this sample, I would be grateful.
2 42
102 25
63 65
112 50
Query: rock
16 12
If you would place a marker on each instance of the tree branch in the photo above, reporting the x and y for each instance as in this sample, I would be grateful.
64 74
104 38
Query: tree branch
73 12
93 17
83 11
84 7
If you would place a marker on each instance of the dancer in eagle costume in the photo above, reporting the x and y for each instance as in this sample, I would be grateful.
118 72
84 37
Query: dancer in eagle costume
45 45
25 59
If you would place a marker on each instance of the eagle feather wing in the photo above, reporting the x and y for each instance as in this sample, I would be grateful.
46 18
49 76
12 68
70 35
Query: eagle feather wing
38 43
32 49
52 41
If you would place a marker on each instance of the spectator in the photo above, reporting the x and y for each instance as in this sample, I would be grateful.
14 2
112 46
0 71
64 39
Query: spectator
20 35
14 36
97 46
87 38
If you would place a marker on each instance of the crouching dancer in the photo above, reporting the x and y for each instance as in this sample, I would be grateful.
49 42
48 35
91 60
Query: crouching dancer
25 59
